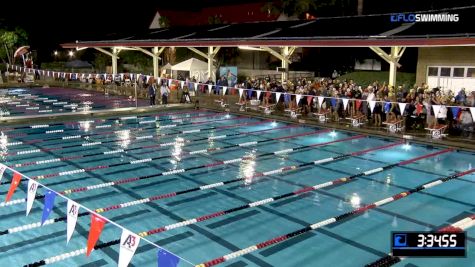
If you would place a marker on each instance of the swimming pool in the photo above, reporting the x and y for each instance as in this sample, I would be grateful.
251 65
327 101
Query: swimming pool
207 165
34 101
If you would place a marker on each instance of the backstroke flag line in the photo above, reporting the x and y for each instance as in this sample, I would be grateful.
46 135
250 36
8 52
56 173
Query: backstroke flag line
31 194
2 170
72 218
97 224
49 203
128 245
15 181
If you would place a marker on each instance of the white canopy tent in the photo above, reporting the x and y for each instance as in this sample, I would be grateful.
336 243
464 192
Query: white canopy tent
166 69
196 68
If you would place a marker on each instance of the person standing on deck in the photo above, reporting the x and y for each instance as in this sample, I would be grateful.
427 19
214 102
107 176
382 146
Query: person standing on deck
164 92
152 90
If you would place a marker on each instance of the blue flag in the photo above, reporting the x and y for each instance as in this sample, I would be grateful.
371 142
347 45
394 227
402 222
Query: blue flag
455 112
333 102
48 207
249 94
387 107
166 259
286 98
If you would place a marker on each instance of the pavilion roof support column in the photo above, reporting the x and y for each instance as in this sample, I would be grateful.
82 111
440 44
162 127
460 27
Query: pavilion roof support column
211 54
155 56
284 56
392 59
113 55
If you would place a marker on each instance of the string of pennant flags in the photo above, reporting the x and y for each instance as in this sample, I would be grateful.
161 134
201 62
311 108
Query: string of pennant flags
129 241
333 101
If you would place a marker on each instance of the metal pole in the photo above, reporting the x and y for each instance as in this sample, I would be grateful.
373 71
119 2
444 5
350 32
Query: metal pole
135 86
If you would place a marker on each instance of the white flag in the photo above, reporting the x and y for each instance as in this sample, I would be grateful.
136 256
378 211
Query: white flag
147 78
297 98
436 110
72 217
121 76
277 96
30 198
320 101
2 170
372 103
345 103
240 92
472 110
210 86
181 84
224 89
169 82
128 245
258 94
196 86
402 107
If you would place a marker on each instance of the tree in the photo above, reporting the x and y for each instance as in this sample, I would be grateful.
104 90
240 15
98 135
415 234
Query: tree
297 8
10 41
164 22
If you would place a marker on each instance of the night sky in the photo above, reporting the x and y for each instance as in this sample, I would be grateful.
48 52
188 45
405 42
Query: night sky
49 25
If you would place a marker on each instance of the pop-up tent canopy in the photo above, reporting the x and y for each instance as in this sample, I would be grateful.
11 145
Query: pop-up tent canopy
196 68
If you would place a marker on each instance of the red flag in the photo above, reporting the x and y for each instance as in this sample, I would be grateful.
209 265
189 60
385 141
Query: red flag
358 104
97 224
309 100
419 108
15 181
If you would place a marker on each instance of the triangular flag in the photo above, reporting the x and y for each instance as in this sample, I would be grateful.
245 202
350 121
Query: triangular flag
31 194
249 93
402 108
224 90
372 104
436 110
309 100
297 98
240 92
166 259
333 102
210 86
258 94
472 110
159 81
15 181
72 218
2 170
320 101
419 108
97 224
277 96
48 207
345 103
387 107
358 104
169 82
455 112
128 245
196 86
147 78
182 83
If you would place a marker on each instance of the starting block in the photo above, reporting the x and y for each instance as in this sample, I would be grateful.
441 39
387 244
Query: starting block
323 116
394 126
267 109
437 132
357 120
221 103
242 106
293 113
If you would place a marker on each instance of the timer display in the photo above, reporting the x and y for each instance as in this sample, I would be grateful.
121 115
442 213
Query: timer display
428 244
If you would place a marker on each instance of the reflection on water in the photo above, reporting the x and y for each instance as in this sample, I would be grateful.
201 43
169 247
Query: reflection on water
247 167
124 138
3 146
355 200
85 125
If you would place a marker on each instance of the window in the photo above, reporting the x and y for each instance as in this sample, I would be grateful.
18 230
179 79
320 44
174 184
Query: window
445 72
433 71
471 72
459 72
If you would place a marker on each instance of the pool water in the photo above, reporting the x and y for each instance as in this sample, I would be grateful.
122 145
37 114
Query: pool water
34 101
355 241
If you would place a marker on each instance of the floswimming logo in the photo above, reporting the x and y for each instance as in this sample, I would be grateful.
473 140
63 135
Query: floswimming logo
426 17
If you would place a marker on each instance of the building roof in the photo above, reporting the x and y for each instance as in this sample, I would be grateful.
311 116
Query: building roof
370 30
